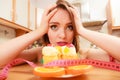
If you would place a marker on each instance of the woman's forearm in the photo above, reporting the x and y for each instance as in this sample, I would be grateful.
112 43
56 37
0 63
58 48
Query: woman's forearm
31 54
12 48
109 43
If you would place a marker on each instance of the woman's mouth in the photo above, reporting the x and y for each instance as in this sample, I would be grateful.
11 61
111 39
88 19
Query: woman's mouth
62 43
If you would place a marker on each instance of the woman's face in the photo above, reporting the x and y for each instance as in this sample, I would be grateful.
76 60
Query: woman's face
60 30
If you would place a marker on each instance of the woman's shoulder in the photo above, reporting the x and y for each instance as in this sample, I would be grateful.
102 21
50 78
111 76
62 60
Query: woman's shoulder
95 53
93 50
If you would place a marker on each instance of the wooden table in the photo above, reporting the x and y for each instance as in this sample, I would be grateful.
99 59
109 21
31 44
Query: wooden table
24 72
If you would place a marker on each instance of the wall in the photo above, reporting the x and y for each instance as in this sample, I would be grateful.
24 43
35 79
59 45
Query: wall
115 7
92 10
6 33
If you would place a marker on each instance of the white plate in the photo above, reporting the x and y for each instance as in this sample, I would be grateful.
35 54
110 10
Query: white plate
67 76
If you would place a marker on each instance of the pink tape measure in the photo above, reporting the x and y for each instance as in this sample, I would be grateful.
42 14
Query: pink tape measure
61 63
96 63
4 72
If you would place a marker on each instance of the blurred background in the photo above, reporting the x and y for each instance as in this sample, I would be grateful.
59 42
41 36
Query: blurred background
18 17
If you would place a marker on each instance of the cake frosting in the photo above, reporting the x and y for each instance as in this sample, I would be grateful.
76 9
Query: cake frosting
51 53
69 52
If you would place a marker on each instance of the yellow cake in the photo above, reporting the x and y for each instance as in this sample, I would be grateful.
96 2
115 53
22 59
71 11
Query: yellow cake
51 53
69 52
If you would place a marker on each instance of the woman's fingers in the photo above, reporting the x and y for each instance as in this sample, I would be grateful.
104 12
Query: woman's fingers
51 7
75 12
48 13
77 19
52 13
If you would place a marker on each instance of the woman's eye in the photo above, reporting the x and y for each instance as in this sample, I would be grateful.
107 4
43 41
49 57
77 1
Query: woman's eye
70 27
53 27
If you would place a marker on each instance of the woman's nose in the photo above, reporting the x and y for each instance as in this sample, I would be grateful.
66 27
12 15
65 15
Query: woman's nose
62 34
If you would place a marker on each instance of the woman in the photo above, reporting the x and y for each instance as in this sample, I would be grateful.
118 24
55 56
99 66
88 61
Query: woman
60 25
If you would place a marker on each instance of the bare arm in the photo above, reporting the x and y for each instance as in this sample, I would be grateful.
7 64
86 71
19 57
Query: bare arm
11 49
98 54
109 43
31 54
94 53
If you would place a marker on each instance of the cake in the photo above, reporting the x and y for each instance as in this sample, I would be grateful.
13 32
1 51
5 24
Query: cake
51 53
69 52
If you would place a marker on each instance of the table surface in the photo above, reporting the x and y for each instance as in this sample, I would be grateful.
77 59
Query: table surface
24 72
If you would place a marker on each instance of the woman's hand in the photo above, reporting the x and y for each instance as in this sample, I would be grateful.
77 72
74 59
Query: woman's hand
78 22
48 13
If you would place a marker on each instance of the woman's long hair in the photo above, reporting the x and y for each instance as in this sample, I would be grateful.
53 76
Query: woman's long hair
76 41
